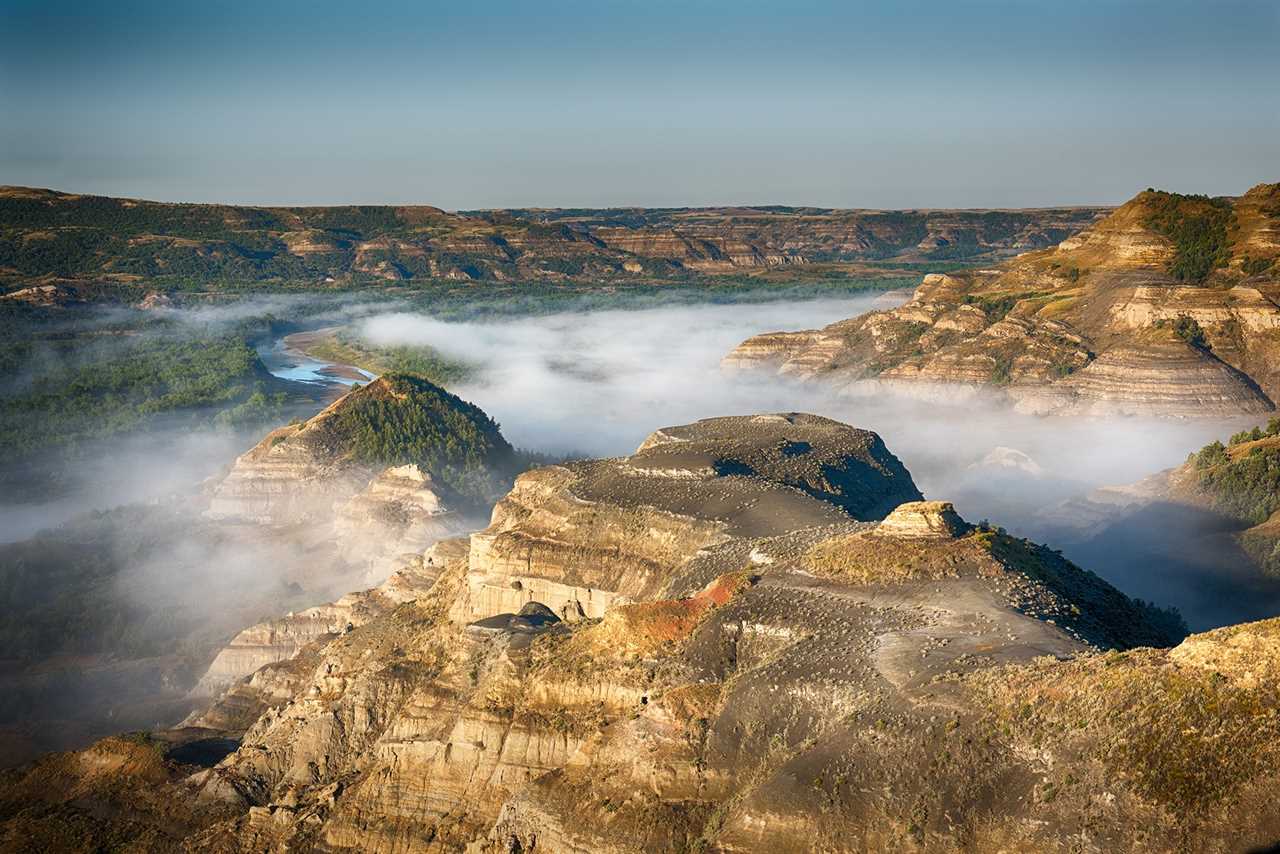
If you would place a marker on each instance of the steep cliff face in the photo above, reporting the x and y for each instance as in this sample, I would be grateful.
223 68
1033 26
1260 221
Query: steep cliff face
582 536
842 679
281 639
320 476
1167 306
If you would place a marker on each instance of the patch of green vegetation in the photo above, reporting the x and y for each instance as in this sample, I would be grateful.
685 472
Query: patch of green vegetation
1257 433
1256 266
1264 548
1197 226
418 422
1190 331
1244 486
106 385
997 306
424 362
1001 369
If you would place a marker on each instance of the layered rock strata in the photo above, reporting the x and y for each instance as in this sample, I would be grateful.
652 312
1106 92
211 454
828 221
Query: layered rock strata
1107 322
86 239
844 671
393 519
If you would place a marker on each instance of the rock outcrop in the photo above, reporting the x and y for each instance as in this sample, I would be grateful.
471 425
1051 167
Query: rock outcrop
810 657
282 638
583 536
930 520
396 517
319 476
1119 318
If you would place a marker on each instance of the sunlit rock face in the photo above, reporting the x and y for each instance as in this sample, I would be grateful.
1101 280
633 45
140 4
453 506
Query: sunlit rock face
798 652
582 536
291 476
280 639
321 477
1106 323
927 520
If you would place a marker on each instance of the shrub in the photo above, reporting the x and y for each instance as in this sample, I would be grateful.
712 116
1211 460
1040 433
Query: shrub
1190 331
1256 266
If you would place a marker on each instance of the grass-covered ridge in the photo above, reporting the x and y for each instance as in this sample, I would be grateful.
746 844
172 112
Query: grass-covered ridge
1187 739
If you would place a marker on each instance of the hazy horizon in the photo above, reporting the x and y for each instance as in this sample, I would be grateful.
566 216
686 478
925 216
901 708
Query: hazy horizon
662 104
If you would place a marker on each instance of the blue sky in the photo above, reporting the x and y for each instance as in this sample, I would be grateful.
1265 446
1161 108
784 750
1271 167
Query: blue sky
463 105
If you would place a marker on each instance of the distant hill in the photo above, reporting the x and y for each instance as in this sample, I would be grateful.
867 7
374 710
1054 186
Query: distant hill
1166 306
51 238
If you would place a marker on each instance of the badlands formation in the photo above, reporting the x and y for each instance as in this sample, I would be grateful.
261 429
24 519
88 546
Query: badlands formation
750 635
329 476
61 247
442 449
1165 307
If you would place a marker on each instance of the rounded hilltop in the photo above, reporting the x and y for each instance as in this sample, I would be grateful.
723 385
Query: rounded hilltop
300 469
401 419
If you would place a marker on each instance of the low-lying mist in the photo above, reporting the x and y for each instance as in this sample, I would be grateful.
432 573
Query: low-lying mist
582 382
598 383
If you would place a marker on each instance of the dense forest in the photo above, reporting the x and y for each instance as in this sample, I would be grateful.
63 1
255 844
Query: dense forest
72 379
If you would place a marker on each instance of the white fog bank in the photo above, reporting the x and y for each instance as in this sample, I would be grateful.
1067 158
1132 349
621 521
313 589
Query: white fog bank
598 383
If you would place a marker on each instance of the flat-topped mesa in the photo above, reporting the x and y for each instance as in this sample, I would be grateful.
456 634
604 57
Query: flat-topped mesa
823 458
1060 331
299 472
924 520
580 536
